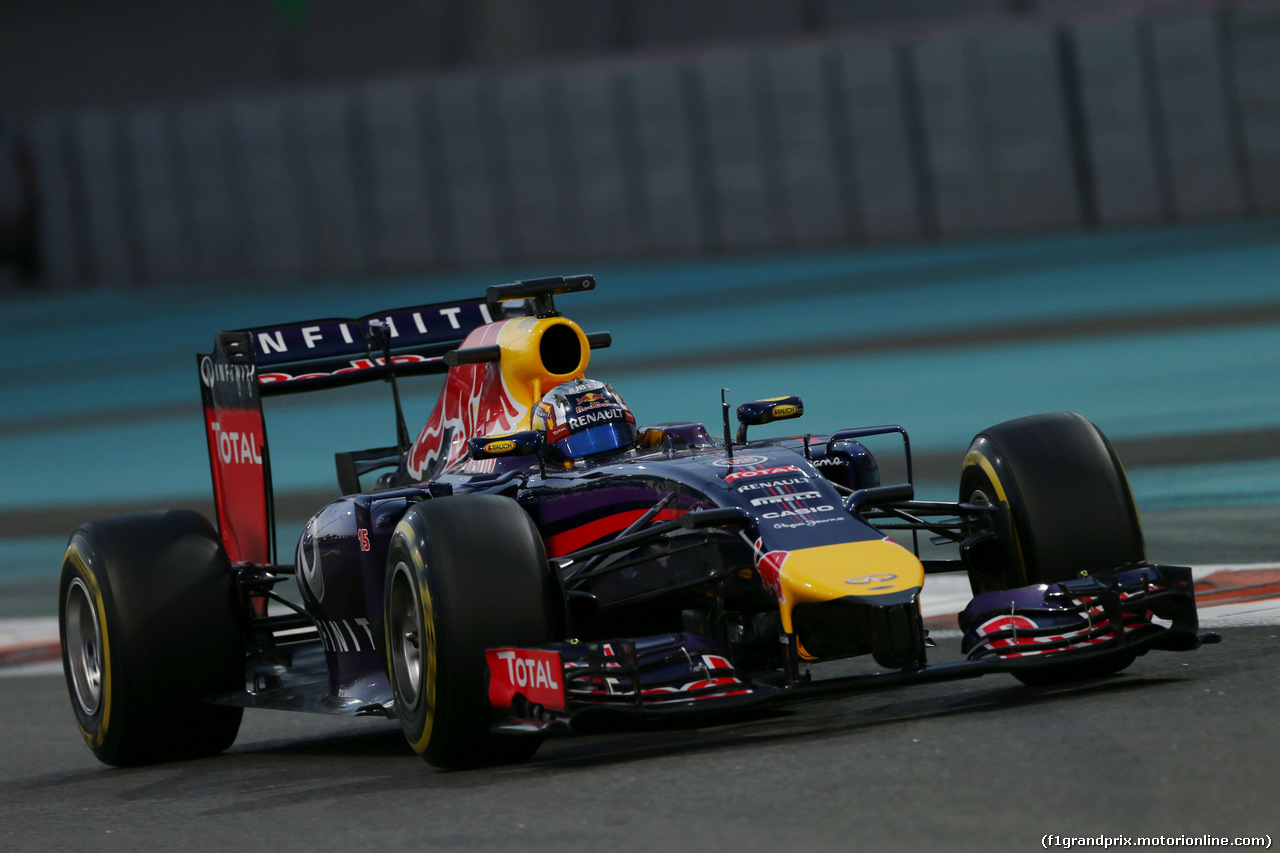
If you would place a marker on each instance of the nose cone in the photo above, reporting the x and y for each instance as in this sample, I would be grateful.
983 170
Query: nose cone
853 598
870 570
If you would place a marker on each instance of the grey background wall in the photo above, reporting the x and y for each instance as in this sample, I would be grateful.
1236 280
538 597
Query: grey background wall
995 122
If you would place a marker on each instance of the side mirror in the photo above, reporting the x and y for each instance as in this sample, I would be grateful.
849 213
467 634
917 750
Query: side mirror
524 443
766 412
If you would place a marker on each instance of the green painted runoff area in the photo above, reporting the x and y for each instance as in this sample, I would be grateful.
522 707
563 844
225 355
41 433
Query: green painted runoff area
99 397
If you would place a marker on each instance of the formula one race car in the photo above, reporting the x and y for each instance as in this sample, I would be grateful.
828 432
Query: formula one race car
535 561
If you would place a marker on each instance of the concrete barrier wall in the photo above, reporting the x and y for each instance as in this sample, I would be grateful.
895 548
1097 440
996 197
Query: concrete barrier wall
108 205
664 21
1127 178
845 12
878 141
995 127
265 142
821 142
1200 133
1254 42
162 250
61 231
738 151
675 214
1027 140
951 121
466 132
599 180
213 197
809 205
537 192
401 227
339 224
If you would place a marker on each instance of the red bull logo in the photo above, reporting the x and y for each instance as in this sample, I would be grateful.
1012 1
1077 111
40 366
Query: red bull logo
591 400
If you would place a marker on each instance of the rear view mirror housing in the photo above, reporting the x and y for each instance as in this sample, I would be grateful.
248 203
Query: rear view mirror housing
523 443
767 411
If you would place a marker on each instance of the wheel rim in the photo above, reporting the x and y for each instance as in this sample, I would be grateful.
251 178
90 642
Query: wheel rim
406 637
978 496
84 647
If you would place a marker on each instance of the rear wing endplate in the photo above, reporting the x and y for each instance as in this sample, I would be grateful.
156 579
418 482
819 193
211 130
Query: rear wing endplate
237 440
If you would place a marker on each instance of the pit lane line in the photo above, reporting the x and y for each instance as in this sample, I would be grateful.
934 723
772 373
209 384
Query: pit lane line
1228 595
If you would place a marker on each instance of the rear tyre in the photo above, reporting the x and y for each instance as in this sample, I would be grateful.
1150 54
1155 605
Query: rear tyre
1071 513
464 574
147 617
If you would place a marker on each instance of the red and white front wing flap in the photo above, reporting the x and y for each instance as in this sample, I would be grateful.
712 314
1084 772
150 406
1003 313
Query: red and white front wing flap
1089 612
664 669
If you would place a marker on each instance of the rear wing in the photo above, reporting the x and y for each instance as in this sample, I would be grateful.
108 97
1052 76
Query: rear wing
250 364
330 353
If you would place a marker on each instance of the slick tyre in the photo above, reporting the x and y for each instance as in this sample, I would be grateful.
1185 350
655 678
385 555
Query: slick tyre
464 574
147 618
1070 513
1069 503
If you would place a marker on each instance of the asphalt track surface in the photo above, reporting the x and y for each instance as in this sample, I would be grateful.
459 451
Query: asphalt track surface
1179 745
1184 744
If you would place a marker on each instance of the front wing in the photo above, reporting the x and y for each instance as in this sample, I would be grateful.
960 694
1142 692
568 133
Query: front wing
1108 615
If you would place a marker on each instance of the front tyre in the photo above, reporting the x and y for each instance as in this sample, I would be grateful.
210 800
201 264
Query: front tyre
1070 513
147 618
1070 509
464 574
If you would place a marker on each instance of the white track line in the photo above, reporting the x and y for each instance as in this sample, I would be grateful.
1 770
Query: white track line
943 595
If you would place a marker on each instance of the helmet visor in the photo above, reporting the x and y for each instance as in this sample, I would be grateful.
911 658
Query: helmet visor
598 439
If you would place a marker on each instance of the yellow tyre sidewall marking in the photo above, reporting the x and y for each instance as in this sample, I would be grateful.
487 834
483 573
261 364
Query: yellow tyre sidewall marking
427 644
427 690
81 566
974 457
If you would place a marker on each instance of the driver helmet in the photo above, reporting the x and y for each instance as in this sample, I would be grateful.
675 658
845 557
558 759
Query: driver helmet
583 419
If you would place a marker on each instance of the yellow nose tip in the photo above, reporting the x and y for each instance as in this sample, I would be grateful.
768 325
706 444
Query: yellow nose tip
863 569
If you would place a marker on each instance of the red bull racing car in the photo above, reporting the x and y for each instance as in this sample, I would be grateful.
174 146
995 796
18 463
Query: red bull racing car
535 560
